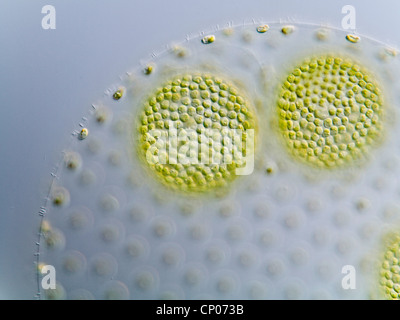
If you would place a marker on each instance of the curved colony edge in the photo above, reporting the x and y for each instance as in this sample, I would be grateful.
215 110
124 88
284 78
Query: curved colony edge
256 161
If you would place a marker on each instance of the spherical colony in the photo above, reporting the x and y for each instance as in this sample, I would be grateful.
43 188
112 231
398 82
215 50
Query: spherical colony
193 132
330 111
390 270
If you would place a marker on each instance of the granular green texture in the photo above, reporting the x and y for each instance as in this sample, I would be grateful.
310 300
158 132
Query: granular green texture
390 270
199 107
330 111
118 94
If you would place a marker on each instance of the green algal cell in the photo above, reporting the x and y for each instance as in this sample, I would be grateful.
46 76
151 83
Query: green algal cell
263 28
148 69
352 38
83 133
195 160
354 122
118 94
208 39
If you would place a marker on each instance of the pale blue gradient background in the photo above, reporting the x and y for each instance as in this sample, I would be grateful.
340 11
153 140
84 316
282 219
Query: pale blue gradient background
49 78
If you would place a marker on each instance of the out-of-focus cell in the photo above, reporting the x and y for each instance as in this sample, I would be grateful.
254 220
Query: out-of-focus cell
45 227
60 196
194 275
275 267
228 210
172 293
180 51
55 239
115 290
80 294
257 290
146 279
103 265
87 177
199 232
294 289
299 256
292 219
217 253
73 160
55 294
140 214
322 34
163 227
172 255
111 231
109 203
286 30
226 284
80 218
102 114
137 247
94 146
74 262
115 158
247 258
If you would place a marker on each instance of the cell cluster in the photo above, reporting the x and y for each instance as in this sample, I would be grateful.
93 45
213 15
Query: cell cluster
211 119
330 111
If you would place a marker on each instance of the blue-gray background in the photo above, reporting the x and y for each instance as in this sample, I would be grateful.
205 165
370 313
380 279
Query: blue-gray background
49 78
